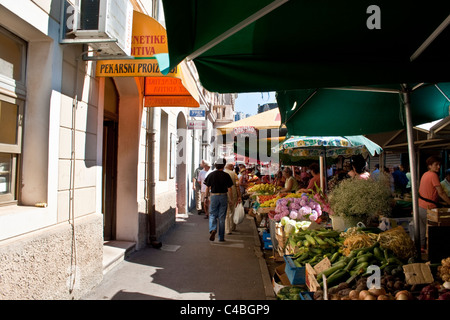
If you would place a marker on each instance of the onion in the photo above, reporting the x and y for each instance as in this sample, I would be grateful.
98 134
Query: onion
370 297
354 294
402 296
383 297
377 292
363 294
405 292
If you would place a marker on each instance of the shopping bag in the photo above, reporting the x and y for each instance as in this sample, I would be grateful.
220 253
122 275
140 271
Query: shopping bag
239 214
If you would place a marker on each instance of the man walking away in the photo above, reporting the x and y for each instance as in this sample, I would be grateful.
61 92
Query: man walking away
218 185
197 188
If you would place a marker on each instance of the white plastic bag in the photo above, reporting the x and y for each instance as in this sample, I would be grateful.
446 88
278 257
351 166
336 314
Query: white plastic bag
239 214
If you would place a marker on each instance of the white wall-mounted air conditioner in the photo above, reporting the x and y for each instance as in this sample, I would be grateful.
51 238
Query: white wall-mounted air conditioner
105 25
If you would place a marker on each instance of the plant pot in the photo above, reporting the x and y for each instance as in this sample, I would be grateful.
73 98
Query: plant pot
343 223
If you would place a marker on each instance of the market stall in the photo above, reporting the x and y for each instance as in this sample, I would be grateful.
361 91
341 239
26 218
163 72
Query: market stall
319 261
359 264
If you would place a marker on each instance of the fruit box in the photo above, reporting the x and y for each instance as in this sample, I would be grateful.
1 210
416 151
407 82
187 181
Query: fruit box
296 275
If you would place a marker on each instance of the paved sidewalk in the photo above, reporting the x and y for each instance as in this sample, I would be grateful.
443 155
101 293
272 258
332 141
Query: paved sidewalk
189 266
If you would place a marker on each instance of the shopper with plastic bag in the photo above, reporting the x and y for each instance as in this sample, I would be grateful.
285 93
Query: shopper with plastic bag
236 195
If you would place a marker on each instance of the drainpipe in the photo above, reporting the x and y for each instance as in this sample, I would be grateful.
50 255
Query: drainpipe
150 194
150 153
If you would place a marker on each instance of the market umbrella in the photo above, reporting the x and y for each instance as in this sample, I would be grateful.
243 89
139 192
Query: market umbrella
364 110
270 119
329 146
323 147
270 45
361 110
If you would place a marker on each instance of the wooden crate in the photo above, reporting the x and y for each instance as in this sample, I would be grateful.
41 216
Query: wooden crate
265 210
439 216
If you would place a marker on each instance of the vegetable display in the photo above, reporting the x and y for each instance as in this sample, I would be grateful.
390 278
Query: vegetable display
264 188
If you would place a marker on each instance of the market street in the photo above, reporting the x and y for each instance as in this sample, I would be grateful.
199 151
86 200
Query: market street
189 266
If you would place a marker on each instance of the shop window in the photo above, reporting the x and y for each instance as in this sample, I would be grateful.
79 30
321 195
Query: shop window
12 80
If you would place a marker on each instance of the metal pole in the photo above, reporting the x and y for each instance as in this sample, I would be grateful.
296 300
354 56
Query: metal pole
413 167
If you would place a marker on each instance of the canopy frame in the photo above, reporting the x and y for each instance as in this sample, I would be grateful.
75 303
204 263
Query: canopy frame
239 26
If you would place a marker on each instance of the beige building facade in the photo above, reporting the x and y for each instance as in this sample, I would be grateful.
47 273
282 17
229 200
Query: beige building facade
82 161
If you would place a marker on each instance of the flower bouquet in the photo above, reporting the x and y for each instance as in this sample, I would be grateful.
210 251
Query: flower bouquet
358 200
297 213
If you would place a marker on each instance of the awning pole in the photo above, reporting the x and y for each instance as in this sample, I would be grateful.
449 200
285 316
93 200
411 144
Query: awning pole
413 168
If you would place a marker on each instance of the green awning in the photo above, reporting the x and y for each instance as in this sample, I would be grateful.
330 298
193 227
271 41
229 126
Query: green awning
286 45
358 111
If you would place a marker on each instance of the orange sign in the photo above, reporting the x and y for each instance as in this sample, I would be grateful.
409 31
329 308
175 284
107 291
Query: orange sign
149 36
167 92
132 68
161 86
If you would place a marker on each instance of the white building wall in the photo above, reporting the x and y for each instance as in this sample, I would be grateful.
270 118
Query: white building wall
43 249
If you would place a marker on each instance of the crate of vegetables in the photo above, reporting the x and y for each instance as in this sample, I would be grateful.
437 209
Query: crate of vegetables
295 274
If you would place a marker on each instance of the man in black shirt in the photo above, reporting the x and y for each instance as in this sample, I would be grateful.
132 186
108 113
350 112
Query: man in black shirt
218 185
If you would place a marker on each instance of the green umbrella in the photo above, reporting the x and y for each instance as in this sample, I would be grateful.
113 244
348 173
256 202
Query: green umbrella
270 45
328 146
322 147
357 110
364 110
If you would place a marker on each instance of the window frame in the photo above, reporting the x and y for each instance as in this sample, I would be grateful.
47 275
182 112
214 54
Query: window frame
13 91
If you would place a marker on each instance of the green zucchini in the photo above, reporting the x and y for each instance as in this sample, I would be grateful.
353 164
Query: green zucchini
378 254
362 265
334 257
303 257
330 270
351 264
336 278
318 240
364 258
310 239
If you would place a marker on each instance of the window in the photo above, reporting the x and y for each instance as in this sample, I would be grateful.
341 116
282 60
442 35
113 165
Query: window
12 97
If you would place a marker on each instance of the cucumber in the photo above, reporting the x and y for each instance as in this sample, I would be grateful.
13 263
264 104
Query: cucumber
351 264
336 278
362 265
334 257
310 239
318 240
364 258
378 254
303 257
330 270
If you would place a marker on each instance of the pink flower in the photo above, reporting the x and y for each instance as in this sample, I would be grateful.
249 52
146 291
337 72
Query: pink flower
293 215
313 216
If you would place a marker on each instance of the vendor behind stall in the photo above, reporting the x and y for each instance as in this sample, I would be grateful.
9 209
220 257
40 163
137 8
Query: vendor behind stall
314 182
291 184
